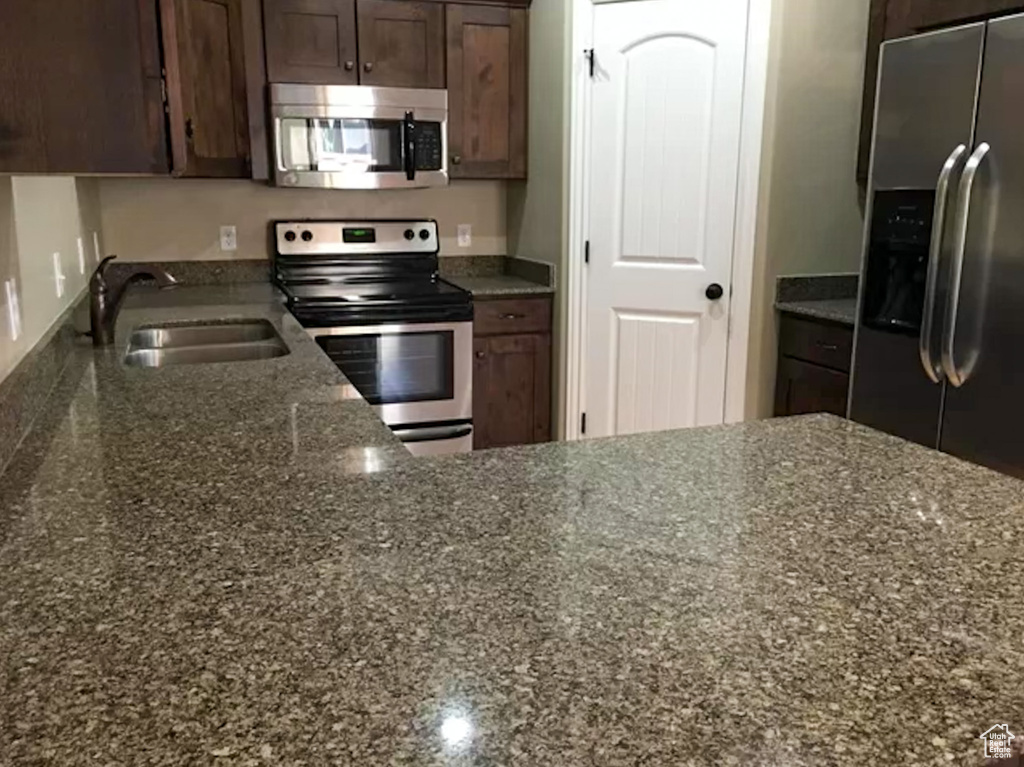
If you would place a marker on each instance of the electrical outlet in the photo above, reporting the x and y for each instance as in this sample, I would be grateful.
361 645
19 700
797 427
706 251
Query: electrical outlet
465 235
58 275
81 256
13 309
96 246
228 238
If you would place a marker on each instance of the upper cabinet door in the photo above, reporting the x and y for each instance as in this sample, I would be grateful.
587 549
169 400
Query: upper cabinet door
311 41
401 44
80 88
905 17
206 87
487 62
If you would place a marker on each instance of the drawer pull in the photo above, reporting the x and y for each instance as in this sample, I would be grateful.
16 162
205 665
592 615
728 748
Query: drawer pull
511 316
827 347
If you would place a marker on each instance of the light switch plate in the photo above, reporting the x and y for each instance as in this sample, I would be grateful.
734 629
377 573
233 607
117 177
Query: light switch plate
13 309
465 235
228 238
58 275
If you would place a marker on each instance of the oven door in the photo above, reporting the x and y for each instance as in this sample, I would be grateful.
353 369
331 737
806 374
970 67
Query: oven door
335 137
415 374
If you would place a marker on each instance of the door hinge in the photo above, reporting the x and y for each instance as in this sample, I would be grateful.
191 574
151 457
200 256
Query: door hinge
589 53
586 252
583 424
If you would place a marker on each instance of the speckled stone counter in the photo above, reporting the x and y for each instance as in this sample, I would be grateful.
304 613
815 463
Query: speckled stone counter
228 565
843 310
500 285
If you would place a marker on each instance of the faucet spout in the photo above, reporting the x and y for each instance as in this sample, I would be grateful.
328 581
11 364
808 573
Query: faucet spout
106 292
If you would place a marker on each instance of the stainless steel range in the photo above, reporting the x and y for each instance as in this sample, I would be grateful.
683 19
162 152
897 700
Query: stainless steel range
368 293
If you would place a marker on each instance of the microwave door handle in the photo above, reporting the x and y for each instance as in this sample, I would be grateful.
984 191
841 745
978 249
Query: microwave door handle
931 366
433 433
409 148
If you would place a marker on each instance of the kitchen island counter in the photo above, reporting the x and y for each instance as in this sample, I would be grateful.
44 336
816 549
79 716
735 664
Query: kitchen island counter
237 564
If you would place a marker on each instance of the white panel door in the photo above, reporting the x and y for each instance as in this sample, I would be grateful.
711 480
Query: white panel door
664 142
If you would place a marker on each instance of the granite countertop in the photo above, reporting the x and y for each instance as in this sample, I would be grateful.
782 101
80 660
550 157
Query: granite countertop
237 564
842 310
499 285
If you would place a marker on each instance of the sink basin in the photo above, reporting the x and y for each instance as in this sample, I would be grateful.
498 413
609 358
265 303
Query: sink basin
157 346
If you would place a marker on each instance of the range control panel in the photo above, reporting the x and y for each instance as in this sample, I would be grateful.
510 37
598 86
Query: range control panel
354 237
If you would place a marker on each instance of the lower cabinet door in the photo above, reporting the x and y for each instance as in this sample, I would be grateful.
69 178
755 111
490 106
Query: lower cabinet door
803 387
511 390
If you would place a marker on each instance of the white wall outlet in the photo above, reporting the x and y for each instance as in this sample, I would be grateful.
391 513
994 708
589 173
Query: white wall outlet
81 256
96 246
465 235
58 275
13 309
228 238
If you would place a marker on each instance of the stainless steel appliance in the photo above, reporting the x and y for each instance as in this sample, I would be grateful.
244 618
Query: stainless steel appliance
940 327
368 293
359 137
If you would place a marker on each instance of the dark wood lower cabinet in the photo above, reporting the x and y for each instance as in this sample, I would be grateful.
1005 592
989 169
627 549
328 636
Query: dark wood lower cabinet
814 366
803 387
512 375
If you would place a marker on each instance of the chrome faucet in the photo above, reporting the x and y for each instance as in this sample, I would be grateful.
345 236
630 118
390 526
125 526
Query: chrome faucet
106 294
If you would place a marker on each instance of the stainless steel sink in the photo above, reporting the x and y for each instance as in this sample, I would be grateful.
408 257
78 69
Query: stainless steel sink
157 346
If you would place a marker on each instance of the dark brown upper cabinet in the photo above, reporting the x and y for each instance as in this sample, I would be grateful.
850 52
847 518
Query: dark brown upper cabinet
311 41
487 65
204 56
401 44
80 88
890 19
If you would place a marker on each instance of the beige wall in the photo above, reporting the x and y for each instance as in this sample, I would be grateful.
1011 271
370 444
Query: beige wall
40 216
538 207
179 219
809 219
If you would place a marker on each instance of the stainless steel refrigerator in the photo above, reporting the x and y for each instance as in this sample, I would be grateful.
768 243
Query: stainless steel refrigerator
939 350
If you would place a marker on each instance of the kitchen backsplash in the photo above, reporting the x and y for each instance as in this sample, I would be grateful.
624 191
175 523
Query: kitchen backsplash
162 219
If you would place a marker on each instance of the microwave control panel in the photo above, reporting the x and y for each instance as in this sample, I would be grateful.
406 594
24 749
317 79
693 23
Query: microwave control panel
428 146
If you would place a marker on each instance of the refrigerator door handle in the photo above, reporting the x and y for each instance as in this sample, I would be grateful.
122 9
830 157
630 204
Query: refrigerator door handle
932 367
956 376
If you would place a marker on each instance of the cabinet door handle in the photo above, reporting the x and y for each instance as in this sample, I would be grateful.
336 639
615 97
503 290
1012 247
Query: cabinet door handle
349 66
480 355
368 66
828 347
456 159
511 316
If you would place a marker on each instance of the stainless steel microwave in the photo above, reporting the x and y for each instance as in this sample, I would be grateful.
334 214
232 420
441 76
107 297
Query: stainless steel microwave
359 137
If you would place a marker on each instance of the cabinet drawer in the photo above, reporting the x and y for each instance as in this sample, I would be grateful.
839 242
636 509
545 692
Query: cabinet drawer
512 315
820 342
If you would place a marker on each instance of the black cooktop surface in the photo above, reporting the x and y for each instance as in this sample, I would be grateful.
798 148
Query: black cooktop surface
413 291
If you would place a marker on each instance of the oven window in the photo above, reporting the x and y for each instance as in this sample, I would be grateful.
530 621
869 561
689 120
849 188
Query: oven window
342 145
397 367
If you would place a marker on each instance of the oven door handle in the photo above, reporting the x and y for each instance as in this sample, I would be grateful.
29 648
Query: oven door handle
409 141
434 433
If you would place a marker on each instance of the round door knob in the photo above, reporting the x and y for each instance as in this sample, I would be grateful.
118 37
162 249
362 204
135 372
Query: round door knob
368 66
456 159
480 355
349 66
714 291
